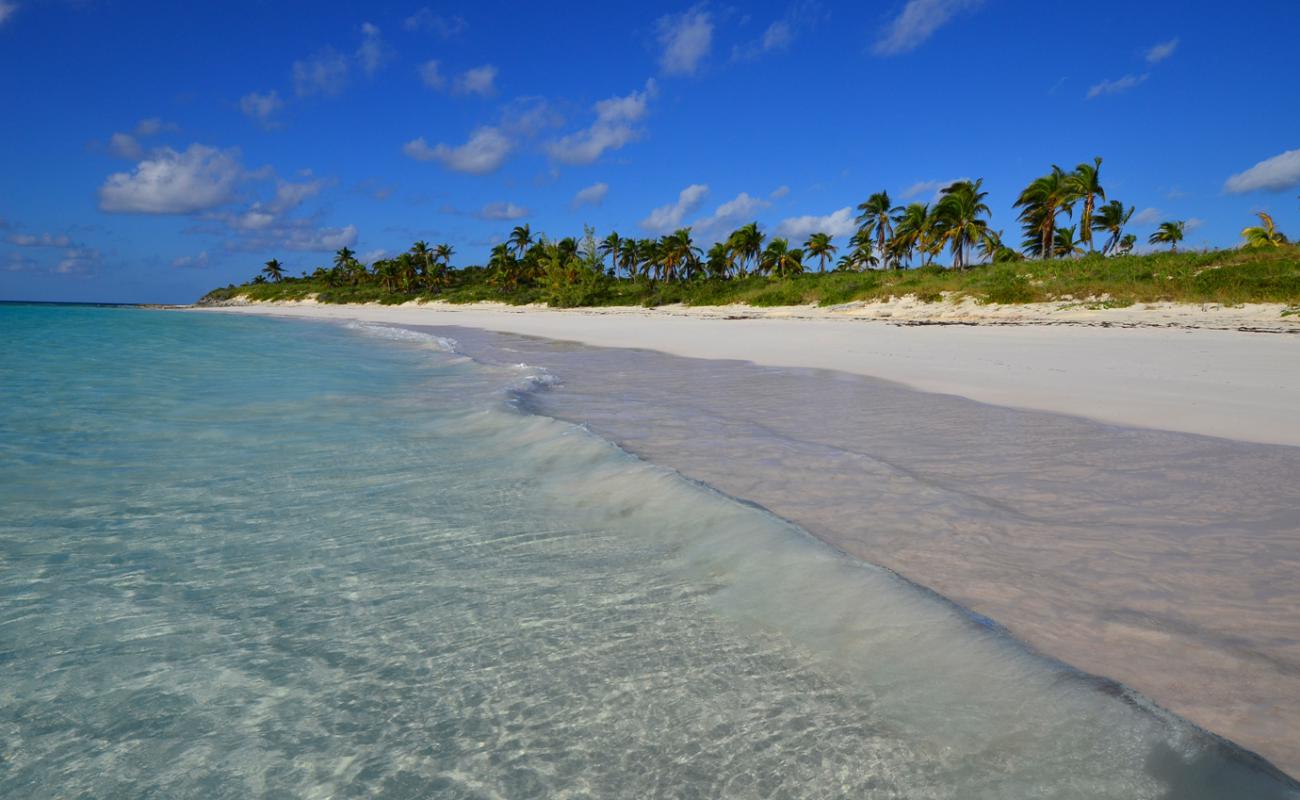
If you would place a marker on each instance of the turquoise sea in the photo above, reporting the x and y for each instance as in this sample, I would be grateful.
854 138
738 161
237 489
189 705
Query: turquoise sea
244 557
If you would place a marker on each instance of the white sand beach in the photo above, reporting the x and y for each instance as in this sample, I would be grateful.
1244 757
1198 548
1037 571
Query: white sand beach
1145 589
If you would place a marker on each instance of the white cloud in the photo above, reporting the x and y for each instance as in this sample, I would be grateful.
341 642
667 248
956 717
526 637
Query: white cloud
199 261
124 145
311 239
171 182
152 126
326 74
374 51
1147 216
502 210
1280 172
7 10
779 192
1162 51
528 116
485 151
1192 224
43 240
837 223
592 195
613 128
1116 86
933 188
80 259
426 21
432 77
801 16
685 39
261 107
735 211
479 80
917 22
669 217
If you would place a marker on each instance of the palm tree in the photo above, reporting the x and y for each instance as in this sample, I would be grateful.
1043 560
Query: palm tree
521 238
425 256
630 256
1064 245
1126 244
958 213
1265 234
913 231
273 270
862 253
877 218
678 254
1111 218
1170 233
610 247
746 245
1040 204
781 260
819 245
504 266
1085 182
717 262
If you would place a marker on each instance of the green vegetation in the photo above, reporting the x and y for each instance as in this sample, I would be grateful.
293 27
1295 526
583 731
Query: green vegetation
893 253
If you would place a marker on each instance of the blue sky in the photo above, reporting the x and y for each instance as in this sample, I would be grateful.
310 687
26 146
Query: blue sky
154 150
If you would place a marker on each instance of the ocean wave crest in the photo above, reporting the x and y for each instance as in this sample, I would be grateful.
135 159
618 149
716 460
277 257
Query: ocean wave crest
442 343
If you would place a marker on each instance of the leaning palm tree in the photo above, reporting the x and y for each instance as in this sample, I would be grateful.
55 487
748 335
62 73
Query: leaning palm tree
1170 233
1040 204
521 238
1126 244
959 212
1085 182
1264 234
913 231
1112 218
275 272
819 246
781 260
878 218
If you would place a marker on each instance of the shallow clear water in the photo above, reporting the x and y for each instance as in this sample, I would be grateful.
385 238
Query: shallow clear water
249 557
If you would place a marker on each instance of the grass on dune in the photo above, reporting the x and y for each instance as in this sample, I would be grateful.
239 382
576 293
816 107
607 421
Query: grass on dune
1266 275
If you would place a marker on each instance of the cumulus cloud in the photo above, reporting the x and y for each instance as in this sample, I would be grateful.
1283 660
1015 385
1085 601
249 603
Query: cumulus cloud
426 21
614 127
837 223
728 215
1280 172
1116 86
669 217
374 51
479 80
1147 216
484 152
1162 51
502 210
198 261
42 240
324 74
261 108
432 75
7 10
592 195
685 39
171 182
917 22
781 34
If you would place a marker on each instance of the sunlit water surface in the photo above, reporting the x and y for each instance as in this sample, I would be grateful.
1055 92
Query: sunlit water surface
245 557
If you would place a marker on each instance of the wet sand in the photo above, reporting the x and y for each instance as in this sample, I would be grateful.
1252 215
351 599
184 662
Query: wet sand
1168 561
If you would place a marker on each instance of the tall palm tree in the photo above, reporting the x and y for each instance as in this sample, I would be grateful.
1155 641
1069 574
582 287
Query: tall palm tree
630 256
443 253
781 260
717 261
1111 218
274 271
912 232
1040 204
424 255
521 238
1264 234
877 218
959 214
678 254
819 246
1170 233
609 247
746 245
1085 182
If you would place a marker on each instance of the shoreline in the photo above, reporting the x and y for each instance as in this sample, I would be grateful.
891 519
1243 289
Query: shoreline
1222 382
